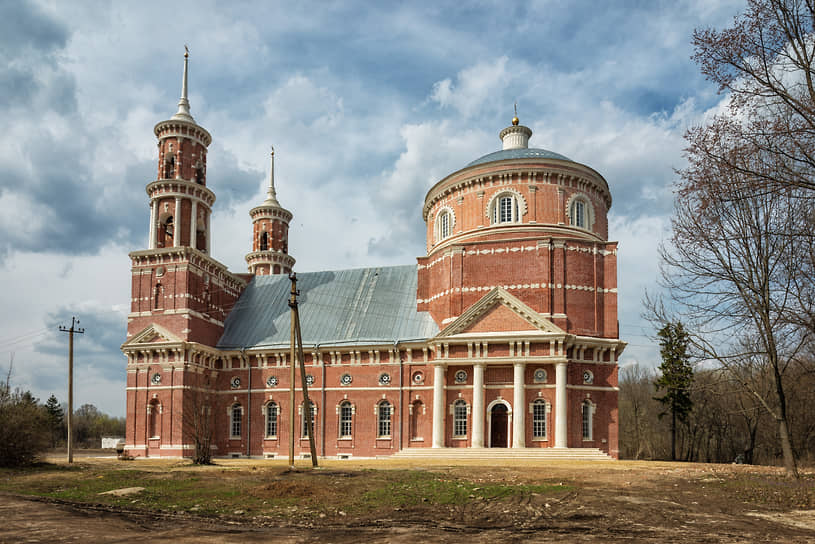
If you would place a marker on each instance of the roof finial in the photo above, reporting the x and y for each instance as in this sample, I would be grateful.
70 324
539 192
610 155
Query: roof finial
184 104
271 195
515 119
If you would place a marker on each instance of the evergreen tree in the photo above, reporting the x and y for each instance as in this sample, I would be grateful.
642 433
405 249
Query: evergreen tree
55 417
676 378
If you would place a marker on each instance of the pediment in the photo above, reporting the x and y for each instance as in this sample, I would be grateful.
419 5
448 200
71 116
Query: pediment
499 311
154 334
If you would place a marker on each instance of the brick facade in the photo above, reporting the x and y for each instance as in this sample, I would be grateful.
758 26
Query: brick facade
519 278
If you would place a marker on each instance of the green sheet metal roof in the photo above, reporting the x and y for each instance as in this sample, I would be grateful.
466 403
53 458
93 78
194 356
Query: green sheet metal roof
359 306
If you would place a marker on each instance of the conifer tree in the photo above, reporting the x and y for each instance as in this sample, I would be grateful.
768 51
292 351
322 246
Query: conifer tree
55 417
676 378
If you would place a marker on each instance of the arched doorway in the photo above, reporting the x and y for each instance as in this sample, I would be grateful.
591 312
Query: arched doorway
499 426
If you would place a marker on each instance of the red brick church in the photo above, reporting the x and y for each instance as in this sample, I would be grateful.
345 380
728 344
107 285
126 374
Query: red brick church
504 335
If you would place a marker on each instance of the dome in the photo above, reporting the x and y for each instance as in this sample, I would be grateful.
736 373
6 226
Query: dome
519 153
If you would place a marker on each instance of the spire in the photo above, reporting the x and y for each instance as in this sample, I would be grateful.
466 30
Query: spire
271 195
183 112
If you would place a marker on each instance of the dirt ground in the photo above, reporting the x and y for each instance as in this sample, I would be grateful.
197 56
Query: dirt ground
605 502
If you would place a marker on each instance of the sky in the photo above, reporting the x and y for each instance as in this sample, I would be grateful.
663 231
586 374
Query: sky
367 104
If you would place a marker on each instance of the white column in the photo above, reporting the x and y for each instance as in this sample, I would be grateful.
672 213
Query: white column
153 219
193 224
438 406
177 223
518 407
478 405
561 433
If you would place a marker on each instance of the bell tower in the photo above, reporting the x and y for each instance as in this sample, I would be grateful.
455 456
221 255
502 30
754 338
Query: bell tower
270 235
180 202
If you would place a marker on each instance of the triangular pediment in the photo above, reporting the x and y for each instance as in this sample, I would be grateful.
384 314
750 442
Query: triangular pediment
499 311
154 334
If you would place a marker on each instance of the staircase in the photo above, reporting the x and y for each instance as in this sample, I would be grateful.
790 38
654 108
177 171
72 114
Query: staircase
497 454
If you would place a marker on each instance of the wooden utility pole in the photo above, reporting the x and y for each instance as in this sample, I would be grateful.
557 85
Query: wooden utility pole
292 355
297 340
71 331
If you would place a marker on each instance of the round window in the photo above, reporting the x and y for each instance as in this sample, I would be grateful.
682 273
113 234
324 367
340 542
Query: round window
271 381
384 379
156 379
235 382
540 375
461 376
418 377
309 380
346 379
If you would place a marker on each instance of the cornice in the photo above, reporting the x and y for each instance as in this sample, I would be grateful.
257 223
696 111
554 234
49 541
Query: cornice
180 188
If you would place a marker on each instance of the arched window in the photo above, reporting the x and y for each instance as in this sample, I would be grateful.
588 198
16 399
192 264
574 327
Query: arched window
169 167
264 241
580 211
578 215
539 419
304 421
383 419
416 412
460 418
506 207
588 423
346 419
199 175
168 230
158 296
445 220
271 420
153 411
237 420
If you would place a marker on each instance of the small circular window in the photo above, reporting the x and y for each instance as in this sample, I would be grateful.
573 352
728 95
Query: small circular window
309 380
418 377
540 375
384 379
271 381
235 382
588 377
461 376
346 379
156 379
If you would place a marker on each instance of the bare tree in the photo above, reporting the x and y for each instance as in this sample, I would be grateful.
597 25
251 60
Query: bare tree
198 425
727 267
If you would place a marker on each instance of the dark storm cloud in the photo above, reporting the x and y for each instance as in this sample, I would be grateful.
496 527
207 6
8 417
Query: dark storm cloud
228 180
24 27
96 350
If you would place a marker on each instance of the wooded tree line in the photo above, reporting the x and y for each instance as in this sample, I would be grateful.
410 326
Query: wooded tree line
739 268
725 424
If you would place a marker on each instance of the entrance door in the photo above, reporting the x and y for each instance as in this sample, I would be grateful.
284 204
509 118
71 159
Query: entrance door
498 426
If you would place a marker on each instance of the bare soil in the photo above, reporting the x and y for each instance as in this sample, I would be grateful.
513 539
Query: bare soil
602 502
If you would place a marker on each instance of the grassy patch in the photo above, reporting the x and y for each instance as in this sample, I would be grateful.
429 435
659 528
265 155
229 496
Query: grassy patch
275 493
418 488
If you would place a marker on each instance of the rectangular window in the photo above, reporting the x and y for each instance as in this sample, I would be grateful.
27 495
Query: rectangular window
271 419
539 420
384 427
586 422
237 416
305 421
346 415
505 209
460 419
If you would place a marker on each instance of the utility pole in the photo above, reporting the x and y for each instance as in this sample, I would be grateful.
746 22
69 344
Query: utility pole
292 356
71 331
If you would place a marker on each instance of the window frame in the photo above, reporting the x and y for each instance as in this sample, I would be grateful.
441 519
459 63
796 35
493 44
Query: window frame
236 421
346 420
540 427
384 419
460 419
587 420
271 419
303 424
507 201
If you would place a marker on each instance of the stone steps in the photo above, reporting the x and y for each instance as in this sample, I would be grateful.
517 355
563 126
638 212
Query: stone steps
543 454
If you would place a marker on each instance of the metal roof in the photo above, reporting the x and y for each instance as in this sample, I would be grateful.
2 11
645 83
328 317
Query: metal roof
519 153
359 306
